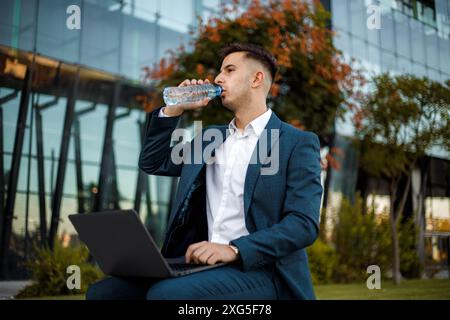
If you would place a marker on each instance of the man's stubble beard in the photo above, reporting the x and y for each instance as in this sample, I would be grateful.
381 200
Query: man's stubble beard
235 105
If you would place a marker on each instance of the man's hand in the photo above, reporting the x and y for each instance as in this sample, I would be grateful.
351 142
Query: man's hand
209 253
178 110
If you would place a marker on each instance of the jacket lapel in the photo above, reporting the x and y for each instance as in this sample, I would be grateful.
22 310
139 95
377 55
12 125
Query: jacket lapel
193 173
254 167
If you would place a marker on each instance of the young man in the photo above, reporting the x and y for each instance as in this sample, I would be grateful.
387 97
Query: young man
227 210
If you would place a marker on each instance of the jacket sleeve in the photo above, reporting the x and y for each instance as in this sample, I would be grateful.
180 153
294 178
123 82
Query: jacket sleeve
300 223
155 156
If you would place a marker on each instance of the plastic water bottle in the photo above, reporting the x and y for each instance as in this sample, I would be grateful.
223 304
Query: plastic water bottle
189 94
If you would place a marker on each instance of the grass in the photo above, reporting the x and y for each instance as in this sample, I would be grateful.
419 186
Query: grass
433 289
69 297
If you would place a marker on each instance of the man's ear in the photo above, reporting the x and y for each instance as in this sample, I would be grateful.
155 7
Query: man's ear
258 79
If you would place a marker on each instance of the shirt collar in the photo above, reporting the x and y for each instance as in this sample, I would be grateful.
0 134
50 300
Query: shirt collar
257 125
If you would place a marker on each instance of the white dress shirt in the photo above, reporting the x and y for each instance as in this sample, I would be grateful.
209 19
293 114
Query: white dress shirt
225 179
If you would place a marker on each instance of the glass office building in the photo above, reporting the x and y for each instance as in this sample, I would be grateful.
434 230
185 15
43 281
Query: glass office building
71 128
413 38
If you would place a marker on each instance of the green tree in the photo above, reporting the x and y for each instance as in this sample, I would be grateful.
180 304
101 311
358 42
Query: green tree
402 119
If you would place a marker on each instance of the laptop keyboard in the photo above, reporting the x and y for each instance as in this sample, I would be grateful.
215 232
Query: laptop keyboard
184 266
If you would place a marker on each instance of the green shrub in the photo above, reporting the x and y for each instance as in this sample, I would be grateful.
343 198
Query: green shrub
360 240
322 261
48 271
410 266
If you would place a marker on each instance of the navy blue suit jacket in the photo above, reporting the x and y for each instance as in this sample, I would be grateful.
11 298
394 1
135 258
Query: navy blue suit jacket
281 210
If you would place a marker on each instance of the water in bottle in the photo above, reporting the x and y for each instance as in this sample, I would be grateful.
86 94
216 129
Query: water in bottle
189 94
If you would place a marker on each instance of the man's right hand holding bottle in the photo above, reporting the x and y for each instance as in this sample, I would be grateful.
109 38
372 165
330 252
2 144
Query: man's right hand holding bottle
177 110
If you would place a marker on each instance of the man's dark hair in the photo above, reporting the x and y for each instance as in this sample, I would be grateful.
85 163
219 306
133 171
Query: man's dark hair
255 52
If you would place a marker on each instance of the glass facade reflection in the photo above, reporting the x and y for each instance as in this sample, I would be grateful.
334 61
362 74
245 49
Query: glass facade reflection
413 35
113 38
115 42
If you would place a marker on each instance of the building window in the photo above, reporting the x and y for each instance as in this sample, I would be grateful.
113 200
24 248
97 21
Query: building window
422 10
406 6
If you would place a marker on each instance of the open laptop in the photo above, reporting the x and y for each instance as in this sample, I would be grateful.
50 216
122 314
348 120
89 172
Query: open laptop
122 246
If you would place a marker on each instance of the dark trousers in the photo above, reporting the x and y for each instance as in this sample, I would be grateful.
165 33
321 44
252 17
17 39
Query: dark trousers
227 282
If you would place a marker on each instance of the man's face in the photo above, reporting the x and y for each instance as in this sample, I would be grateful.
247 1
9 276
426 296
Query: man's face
235 78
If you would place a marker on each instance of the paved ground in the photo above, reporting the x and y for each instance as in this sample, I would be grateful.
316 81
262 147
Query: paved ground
9 288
